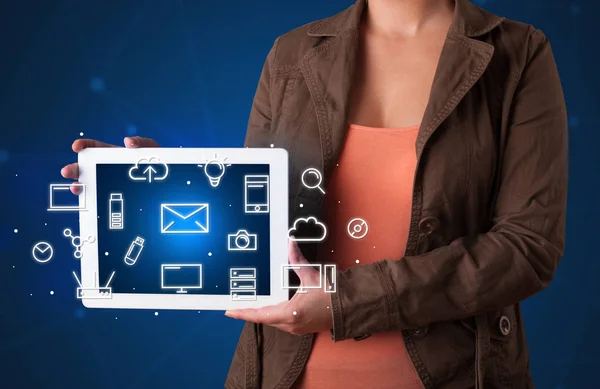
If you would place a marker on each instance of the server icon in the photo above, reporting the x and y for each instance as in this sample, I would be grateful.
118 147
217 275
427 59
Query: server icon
242 284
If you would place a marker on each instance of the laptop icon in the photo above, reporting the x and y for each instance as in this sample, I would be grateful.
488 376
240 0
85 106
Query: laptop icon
62 200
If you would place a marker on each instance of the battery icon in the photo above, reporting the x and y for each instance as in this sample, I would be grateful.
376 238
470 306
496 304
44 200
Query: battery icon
115 211
135 249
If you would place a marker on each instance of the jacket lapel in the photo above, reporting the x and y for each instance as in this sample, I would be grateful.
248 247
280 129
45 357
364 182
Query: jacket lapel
328 70
461 64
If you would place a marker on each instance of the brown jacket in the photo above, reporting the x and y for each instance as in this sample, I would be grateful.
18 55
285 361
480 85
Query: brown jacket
488 216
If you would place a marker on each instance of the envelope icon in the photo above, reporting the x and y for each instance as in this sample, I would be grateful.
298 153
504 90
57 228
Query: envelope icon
184 218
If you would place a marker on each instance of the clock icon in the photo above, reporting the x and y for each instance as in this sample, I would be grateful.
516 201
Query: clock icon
42 252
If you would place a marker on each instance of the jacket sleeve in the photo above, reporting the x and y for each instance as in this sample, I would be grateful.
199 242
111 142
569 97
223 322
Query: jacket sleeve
515 259
259 124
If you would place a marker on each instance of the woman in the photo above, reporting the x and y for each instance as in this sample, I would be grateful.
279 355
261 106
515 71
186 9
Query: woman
444 128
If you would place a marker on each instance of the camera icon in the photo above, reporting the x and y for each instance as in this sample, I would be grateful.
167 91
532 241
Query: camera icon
241 241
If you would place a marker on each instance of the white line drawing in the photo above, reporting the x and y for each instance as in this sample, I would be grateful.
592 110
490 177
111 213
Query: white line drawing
149 172
242 273
77 241
286 269
55 189
357 228
171 270
116 211
318 179
310 219
243 295
242 241
242 283
214 170
256 193
330 282
184 218
104 292
42 252
134 251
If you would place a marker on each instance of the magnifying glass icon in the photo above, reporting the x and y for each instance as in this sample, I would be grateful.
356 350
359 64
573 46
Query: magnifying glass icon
312 179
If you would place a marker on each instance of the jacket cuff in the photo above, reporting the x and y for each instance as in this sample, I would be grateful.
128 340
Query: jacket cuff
363 303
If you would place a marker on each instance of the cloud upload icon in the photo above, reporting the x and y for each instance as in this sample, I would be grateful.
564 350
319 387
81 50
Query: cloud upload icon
306 223
149 173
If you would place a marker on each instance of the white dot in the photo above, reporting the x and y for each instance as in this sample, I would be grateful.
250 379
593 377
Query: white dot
16 230
339 202
16 175
332 251
155 313
116 318
180 147
294 313
301 205
357 261
210 254
373 246
140 209
81 134
327 307
45 224
133 288
189 182
216 286
230 205
52 292
198 311
106 253
13 266
31 294
337 164
272 145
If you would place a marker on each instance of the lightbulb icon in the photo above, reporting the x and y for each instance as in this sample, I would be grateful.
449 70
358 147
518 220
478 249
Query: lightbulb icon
214 170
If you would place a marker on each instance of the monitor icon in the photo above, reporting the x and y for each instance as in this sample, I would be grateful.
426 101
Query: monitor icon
256 194
288 269
181 277
62 200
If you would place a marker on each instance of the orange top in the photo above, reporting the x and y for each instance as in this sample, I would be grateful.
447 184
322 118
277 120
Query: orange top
373 181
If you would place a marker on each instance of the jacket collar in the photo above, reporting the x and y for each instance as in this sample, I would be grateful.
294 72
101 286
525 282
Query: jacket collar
469 20
328 69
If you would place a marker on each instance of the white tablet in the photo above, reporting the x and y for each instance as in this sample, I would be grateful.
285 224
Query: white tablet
176 228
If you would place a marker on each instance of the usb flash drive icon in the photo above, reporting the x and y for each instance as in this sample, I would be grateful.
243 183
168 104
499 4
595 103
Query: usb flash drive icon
135 249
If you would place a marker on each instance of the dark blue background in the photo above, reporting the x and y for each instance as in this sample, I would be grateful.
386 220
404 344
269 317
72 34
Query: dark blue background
142 203
184 72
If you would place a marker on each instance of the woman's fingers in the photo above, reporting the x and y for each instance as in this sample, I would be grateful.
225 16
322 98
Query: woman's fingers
138 141
81 144
70 171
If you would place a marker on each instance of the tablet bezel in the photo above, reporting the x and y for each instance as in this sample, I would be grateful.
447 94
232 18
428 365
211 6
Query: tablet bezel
276 158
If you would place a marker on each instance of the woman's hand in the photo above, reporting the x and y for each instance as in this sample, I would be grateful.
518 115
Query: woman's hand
72 170
305 313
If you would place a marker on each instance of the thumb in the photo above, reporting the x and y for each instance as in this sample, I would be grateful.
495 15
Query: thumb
138 141
296 258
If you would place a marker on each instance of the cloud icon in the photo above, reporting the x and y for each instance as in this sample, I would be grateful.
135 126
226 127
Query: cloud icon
149 173
307 224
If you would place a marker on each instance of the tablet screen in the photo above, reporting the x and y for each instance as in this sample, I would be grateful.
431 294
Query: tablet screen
190 229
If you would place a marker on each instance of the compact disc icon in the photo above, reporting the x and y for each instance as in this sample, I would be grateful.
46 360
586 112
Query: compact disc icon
358 228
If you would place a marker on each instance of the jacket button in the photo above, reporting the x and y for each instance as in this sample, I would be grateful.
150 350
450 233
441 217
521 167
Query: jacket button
418 332
362 337
429 224
504 325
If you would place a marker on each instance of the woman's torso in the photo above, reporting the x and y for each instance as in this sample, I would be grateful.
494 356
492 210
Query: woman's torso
457 149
